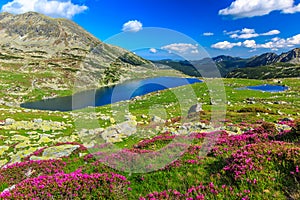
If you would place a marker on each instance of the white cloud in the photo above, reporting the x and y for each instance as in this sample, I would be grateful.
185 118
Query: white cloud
295 40
225 45
247 33
292 10
53 8
208 34
152 50
132 26
278 43
273 32
230 32
181 48
249 44
275 43
251 8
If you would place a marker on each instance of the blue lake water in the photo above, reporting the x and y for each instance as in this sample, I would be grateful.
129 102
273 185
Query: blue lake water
108 95
266 88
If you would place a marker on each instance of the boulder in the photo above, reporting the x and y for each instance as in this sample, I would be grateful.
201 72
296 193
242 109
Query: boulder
9 121
127 128
195 108
59 151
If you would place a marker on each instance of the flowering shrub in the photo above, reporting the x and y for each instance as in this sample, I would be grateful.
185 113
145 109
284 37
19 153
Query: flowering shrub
201 192
229 143
163 138
256 157
15 173
70 186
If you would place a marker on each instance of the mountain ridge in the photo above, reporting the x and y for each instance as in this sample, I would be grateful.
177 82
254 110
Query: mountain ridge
227 64
33 42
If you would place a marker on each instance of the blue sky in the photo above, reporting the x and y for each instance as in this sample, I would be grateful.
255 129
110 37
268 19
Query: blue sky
231 27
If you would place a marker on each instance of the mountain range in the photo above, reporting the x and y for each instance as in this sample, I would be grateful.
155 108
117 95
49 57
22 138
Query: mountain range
36 44
286 64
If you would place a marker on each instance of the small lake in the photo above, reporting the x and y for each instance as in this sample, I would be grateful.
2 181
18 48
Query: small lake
266 88
109 95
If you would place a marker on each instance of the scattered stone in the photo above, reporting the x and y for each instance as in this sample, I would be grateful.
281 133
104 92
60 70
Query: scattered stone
129 117
3 162
281 102
3 149
144 116
277 81
38 120
112 120
44 139
137 98
82 154
23 145
233 130
157 119
282 127
251 102
287 119
279 112
9 121
19 138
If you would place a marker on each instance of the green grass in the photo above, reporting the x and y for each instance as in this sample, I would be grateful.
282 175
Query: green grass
187 175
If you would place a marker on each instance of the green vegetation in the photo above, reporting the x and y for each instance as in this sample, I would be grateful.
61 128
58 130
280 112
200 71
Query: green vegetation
278 70
270 169
112 73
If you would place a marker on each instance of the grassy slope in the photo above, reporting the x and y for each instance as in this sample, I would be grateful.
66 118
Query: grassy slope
185 176
278 70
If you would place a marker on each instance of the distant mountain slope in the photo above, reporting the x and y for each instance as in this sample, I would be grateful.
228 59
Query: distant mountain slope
264 59
277 70
241 66
32 42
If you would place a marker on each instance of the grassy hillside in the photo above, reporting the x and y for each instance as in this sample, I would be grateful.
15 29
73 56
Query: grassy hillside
256 154
278 70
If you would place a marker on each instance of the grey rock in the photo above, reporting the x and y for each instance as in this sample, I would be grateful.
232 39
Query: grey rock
38 120
157 119
9 121
60 151
195 108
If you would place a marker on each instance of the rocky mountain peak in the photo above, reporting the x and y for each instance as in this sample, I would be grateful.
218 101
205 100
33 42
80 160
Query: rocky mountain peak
34 27
292 56
39 43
